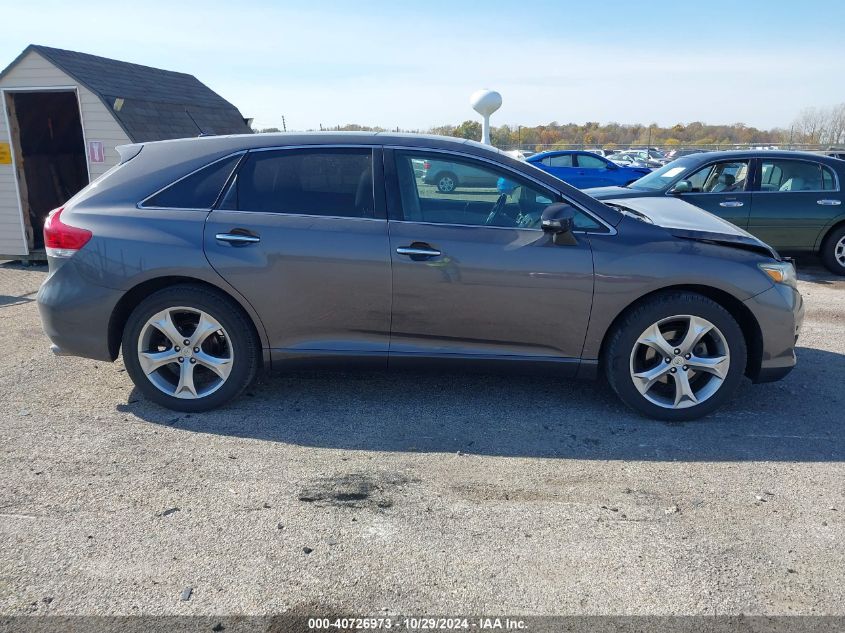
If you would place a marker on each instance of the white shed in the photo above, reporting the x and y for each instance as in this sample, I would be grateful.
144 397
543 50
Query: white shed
63 115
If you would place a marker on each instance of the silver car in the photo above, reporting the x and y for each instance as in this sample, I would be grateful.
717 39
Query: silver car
448 176
206 260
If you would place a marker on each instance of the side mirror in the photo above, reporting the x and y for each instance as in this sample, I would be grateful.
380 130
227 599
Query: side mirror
611 166
557 219
683 186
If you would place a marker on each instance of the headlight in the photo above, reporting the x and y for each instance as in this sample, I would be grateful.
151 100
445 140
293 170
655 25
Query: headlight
781 273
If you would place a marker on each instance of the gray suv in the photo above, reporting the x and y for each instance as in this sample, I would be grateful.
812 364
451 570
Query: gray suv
205 260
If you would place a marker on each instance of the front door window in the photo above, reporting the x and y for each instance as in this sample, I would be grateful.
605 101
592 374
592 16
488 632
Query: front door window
483 195
724 177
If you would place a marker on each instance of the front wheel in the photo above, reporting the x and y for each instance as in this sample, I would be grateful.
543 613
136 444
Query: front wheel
446 182
676 357
833 251
190 348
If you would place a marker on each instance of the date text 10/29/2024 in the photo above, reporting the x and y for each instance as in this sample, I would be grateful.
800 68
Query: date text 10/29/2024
417 624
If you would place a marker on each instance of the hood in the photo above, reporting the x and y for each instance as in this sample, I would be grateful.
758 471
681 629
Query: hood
687 221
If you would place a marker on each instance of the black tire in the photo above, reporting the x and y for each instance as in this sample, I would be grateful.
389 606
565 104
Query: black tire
245 346
831 249
446 182
617 356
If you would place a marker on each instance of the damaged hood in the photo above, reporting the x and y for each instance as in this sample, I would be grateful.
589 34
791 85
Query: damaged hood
685 220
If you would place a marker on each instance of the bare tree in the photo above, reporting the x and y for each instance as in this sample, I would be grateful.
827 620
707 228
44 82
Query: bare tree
836 125
825 126
809 127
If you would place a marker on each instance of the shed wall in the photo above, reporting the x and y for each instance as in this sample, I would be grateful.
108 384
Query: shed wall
33 72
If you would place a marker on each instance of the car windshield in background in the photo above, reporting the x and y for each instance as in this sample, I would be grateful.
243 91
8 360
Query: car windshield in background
659 178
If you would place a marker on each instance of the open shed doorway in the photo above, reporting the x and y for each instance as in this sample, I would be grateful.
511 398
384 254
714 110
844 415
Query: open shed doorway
49 153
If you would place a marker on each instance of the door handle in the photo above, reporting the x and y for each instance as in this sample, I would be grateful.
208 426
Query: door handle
829 203
237 239
731 203
422 251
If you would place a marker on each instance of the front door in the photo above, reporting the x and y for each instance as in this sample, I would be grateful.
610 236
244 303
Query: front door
475 277
594 171
723 189
794 201
302 236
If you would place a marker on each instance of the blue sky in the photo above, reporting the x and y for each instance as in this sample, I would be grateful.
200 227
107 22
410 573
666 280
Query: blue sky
414 65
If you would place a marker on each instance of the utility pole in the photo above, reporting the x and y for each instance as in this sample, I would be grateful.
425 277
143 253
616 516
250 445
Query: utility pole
284 125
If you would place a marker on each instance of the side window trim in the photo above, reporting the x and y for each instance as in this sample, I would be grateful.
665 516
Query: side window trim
376 156
242 153
395 208
821 166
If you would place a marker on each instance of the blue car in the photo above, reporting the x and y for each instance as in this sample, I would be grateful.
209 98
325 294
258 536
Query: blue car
585 169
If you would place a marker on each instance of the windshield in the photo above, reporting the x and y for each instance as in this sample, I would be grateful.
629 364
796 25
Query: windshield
660 178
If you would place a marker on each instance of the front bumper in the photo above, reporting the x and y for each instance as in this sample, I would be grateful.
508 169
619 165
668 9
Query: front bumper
75 313
780 313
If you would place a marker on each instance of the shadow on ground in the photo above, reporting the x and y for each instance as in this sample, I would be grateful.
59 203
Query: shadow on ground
797 419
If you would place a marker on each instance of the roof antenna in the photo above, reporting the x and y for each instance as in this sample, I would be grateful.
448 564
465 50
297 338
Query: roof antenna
193 120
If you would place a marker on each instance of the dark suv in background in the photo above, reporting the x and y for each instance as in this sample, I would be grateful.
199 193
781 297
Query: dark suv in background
206 259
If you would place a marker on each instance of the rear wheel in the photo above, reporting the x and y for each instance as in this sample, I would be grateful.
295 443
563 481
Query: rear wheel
833 251
676 357
189 348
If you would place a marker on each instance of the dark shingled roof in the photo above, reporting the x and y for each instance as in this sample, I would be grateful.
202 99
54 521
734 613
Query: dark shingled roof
156 104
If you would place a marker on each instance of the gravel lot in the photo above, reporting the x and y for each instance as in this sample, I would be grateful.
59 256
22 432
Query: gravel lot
449 494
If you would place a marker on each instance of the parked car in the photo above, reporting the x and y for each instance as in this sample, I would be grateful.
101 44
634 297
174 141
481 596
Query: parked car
791 200
679 153
448 176
207 259
836 153
639 158
584 169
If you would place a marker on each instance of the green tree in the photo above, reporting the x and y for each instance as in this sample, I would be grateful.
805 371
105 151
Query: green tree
469 130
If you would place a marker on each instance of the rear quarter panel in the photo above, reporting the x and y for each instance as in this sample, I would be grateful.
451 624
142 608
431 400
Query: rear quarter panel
131 246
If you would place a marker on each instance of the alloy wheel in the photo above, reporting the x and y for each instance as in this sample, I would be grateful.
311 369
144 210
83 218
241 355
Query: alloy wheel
446 184
839 251
185 352
680 361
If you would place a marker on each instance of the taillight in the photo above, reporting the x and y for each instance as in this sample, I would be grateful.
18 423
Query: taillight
426 165
60 239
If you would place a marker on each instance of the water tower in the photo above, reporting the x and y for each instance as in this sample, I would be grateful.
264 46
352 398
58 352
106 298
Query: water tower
485 102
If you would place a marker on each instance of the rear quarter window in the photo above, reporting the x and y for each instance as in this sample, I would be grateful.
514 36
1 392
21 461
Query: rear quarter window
198 190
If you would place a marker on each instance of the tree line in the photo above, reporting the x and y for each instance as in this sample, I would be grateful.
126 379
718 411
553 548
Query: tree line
816 126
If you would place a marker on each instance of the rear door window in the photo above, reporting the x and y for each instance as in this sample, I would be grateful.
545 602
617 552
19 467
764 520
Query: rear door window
561 160
329 182
795 175
198 190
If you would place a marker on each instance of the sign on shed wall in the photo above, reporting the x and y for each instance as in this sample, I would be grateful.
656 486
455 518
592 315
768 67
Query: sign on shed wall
96 152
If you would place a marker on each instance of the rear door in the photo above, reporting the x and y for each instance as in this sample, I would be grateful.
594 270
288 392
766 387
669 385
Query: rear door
563 166
723 188
474 277
301 233
794 201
